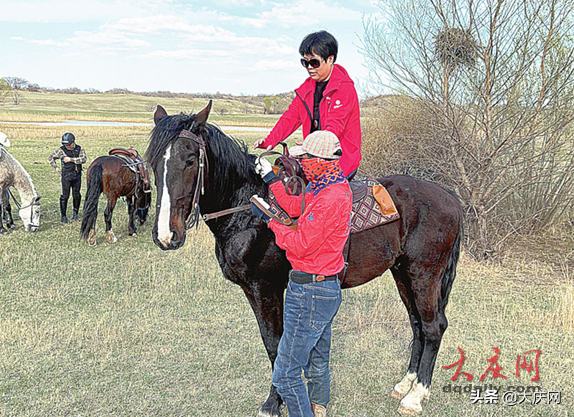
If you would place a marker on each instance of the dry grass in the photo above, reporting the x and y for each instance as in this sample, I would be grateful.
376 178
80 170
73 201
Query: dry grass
129 330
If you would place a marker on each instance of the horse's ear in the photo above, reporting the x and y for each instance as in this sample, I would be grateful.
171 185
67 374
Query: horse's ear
159 114
201 118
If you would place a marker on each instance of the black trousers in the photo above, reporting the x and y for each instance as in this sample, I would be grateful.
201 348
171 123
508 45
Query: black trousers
73 181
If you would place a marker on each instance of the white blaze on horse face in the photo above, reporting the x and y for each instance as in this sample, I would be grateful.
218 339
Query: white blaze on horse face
26 216
163 229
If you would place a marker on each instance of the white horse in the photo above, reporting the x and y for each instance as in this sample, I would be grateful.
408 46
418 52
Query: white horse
12 174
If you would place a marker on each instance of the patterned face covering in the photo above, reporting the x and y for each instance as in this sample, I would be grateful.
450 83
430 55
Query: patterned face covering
321 173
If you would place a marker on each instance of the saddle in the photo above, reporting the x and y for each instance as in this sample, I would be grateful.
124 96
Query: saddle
134 162
372 205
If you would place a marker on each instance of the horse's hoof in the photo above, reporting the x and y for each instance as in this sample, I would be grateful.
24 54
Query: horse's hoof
397 395
110 237
133 234
411 404
12 226
409 411
92 237
266 414
3 230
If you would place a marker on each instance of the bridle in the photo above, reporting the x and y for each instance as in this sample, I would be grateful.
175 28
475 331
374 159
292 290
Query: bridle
35 202
195 217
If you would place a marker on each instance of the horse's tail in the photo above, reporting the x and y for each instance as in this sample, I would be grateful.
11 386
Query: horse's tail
450 271
91 202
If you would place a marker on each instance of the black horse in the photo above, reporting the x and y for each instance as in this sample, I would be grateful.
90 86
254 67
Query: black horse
421 249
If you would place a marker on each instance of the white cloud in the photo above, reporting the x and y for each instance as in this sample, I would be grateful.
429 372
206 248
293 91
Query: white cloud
68 10
303 13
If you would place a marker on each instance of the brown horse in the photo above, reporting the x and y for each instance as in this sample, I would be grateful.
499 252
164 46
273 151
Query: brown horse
111 175
421 249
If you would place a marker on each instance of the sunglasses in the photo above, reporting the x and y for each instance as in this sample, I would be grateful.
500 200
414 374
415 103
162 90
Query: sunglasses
314 62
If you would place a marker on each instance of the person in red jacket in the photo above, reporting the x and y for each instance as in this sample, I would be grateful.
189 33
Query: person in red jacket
315 251
327 100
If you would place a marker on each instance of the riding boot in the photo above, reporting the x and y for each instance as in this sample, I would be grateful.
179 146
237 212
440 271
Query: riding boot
63 209
76 203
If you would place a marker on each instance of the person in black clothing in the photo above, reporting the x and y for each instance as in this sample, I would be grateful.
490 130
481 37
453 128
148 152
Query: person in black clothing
72 157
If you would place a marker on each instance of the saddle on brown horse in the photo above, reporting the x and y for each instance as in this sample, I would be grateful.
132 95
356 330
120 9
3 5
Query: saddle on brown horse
135 162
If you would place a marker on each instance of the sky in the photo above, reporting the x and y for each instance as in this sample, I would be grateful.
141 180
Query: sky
227 46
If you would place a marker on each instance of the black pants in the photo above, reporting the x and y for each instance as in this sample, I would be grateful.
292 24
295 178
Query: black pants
73 181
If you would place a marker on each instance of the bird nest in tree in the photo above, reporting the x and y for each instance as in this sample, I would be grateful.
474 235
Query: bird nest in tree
455 47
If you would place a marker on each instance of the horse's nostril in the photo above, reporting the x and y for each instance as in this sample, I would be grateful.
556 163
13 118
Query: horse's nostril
176 236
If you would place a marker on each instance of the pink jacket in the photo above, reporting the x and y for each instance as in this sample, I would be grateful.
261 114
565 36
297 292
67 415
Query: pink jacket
316 247
339 111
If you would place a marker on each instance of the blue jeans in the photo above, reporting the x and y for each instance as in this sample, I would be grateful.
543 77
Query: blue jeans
305 345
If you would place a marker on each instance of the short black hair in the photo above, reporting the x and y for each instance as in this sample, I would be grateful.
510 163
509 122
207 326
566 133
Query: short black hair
321 43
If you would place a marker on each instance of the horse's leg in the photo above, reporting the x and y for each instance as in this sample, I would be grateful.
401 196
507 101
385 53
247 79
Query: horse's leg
403 283
7 211
2 207
131 212
110 237
267 304
426 287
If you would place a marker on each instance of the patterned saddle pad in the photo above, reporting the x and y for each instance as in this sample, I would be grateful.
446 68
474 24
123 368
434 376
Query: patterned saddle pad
373 208
366 213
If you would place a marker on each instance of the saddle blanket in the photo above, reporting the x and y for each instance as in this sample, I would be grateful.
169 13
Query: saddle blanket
372 205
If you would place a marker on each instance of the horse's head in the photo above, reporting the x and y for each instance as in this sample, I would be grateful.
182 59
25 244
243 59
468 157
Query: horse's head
30 214
142 206
175 153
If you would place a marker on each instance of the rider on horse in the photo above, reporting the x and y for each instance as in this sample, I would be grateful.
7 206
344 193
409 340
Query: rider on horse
329 93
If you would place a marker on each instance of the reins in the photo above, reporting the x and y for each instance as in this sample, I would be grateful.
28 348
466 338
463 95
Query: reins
31 205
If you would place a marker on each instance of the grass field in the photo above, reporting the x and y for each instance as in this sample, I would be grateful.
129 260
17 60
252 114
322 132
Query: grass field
54 107
129 330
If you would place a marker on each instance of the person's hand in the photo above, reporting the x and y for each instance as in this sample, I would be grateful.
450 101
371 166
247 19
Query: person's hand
67 159
259 143
256 211
264 168
58 171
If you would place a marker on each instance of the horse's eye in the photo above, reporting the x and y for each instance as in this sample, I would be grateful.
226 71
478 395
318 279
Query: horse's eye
190 162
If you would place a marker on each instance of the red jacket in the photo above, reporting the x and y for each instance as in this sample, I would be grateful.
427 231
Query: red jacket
339 110
316 247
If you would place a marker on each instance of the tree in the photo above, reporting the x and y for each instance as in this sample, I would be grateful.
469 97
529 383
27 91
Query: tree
493 86
5 90
17 83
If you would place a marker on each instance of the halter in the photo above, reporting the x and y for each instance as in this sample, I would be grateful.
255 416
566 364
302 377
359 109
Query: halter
34 202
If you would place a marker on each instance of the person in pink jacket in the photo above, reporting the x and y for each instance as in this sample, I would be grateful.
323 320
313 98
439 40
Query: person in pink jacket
327 100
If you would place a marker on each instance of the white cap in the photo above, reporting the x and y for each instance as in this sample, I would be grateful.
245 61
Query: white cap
4 141
321 143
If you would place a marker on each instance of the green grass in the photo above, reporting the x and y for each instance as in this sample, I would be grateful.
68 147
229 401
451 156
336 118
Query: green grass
127 107
129 330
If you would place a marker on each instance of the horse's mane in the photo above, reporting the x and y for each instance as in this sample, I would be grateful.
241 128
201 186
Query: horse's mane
234 162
